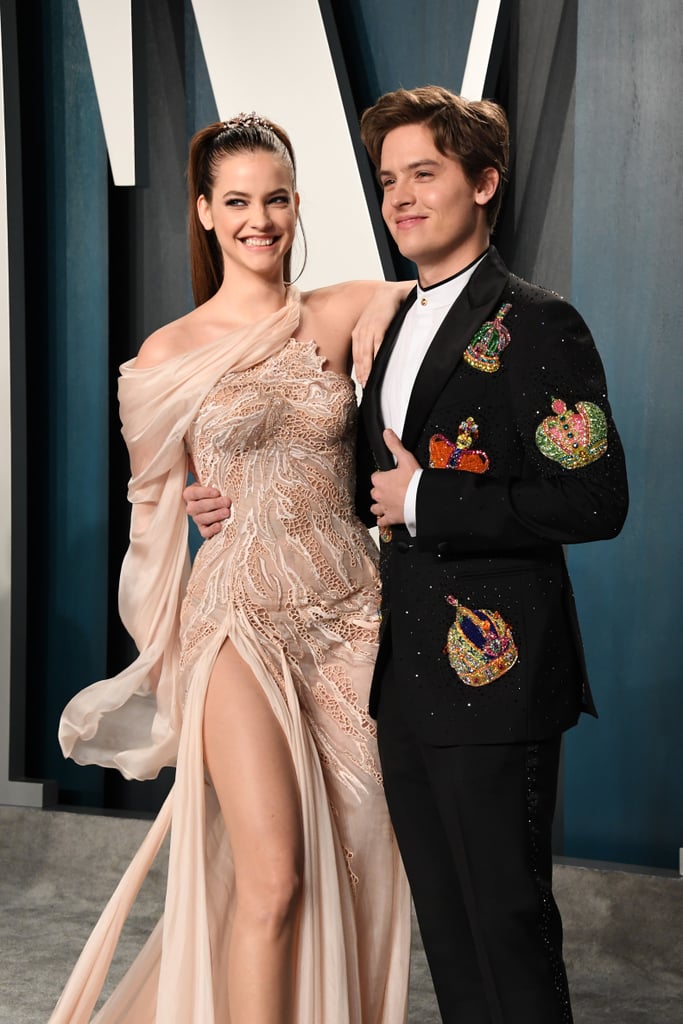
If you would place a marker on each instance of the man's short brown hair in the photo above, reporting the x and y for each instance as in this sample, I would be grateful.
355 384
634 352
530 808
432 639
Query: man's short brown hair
474 132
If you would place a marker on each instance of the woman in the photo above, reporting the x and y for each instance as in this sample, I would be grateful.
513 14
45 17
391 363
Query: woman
286 901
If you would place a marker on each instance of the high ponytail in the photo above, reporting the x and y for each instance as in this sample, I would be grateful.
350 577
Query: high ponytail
245 133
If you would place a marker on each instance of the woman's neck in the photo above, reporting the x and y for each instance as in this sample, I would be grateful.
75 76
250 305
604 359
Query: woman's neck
249 299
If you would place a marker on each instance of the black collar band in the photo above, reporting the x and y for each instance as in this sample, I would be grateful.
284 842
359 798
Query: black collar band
464 270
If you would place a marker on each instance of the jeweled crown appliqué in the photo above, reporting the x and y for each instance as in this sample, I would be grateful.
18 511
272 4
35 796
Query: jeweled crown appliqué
480 645
446 454
573 437
483 352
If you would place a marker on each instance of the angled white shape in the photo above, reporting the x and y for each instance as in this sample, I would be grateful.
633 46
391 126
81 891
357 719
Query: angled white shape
108 33
26 794
479 53
274 58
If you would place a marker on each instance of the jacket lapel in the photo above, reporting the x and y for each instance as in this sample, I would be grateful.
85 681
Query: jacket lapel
371 406
475 305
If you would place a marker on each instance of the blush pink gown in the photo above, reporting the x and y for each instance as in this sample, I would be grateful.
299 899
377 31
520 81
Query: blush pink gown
292 580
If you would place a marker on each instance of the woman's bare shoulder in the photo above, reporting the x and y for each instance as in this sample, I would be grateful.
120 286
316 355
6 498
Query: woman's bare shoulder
355 292
338 305
172 340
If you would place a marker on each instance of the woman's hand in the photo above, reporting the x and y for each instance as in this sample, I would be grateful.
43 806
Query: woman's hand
371 326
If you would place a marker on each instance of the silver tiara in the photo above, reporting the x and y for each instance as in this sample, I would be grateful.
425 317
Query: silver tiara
252 120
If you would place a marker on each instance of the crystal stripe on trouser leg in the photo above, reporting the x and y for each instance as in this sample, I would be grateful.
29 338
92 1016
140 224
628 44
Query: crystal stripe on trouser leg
550 915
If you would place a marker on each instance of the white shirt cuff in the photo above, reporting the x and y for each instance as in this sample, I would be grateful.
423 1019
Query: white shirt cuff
410 503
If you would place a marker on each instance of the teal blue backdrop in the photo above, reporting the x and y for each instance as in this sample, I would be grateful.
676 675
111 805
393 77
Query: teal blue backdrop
68 388
623 793
96 286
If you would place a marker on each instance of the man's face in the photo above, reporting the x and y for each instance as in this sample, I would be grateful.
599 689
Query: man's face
435 215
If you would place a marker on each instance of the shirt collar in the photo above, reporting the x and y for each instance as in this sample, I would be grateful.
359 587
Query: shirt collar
444 293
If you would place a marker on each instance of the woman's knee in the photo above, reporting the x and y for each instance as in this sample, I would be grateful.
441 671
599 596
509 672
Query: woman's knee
269 894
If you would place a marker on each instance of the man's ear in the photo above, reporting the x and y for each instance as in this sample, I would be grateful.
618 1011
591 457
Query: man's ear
486 186
204 213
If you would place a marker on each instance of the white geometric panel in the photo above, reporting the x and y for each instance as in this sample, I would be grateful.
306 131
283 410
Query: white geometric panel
107 25
274 58
479 53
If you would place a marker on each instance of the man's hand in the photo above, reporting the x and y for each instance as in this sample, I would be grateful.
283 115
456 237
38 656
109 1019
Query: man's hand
389 488
207 507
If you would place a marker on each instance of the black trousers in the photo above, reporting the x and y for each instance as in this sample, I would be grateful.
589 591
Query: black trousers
474 828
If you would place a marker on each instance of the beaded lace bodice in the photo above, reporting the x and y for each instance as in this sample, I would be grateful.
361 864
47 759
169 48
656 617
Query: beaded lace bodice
291 581
293 559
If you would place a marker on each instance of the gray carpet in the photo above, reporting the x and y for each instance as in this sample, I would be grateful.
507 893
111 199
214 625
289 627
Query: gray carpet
623 930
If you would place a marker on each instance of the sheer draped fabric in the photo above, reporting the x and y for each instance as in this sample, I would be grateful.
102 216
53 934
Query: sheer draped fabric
291 579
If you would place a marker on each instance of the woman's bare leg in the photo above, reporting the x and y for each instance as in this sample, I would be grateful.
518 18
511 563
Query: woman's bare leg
251 768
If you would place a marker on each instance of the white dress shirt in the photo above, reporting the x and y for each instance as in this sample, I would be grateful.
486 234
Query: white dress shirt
423 320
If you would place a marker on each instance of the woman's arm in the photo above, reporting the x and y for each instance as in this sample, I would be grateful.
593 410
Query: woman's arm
371 326
358 311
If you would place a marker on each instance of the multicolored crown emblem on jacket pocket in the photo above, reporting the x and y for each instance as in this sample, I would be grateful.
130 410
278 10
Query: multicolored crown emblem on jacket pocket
480 645
483 352
445 454
573 437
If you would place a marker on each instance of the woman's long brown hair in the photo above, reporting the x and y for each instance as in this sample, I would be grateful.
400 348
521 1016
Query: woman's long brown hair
243 134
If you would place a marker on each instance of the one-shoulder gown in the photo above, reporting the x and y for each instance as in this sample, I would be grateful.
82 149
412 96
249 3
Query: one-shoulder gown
292 580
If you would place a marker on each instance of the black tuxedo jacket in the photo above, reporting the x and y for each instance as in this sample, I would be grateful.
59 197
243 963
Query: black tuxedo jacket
478 613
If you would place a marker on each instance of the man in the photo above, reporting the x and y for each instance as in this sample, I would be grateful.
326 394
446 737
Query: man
507 452
496 387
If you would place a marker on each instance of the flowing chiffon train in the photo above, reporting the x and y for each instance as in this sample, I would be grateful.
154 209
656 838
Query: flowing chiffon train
291 579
